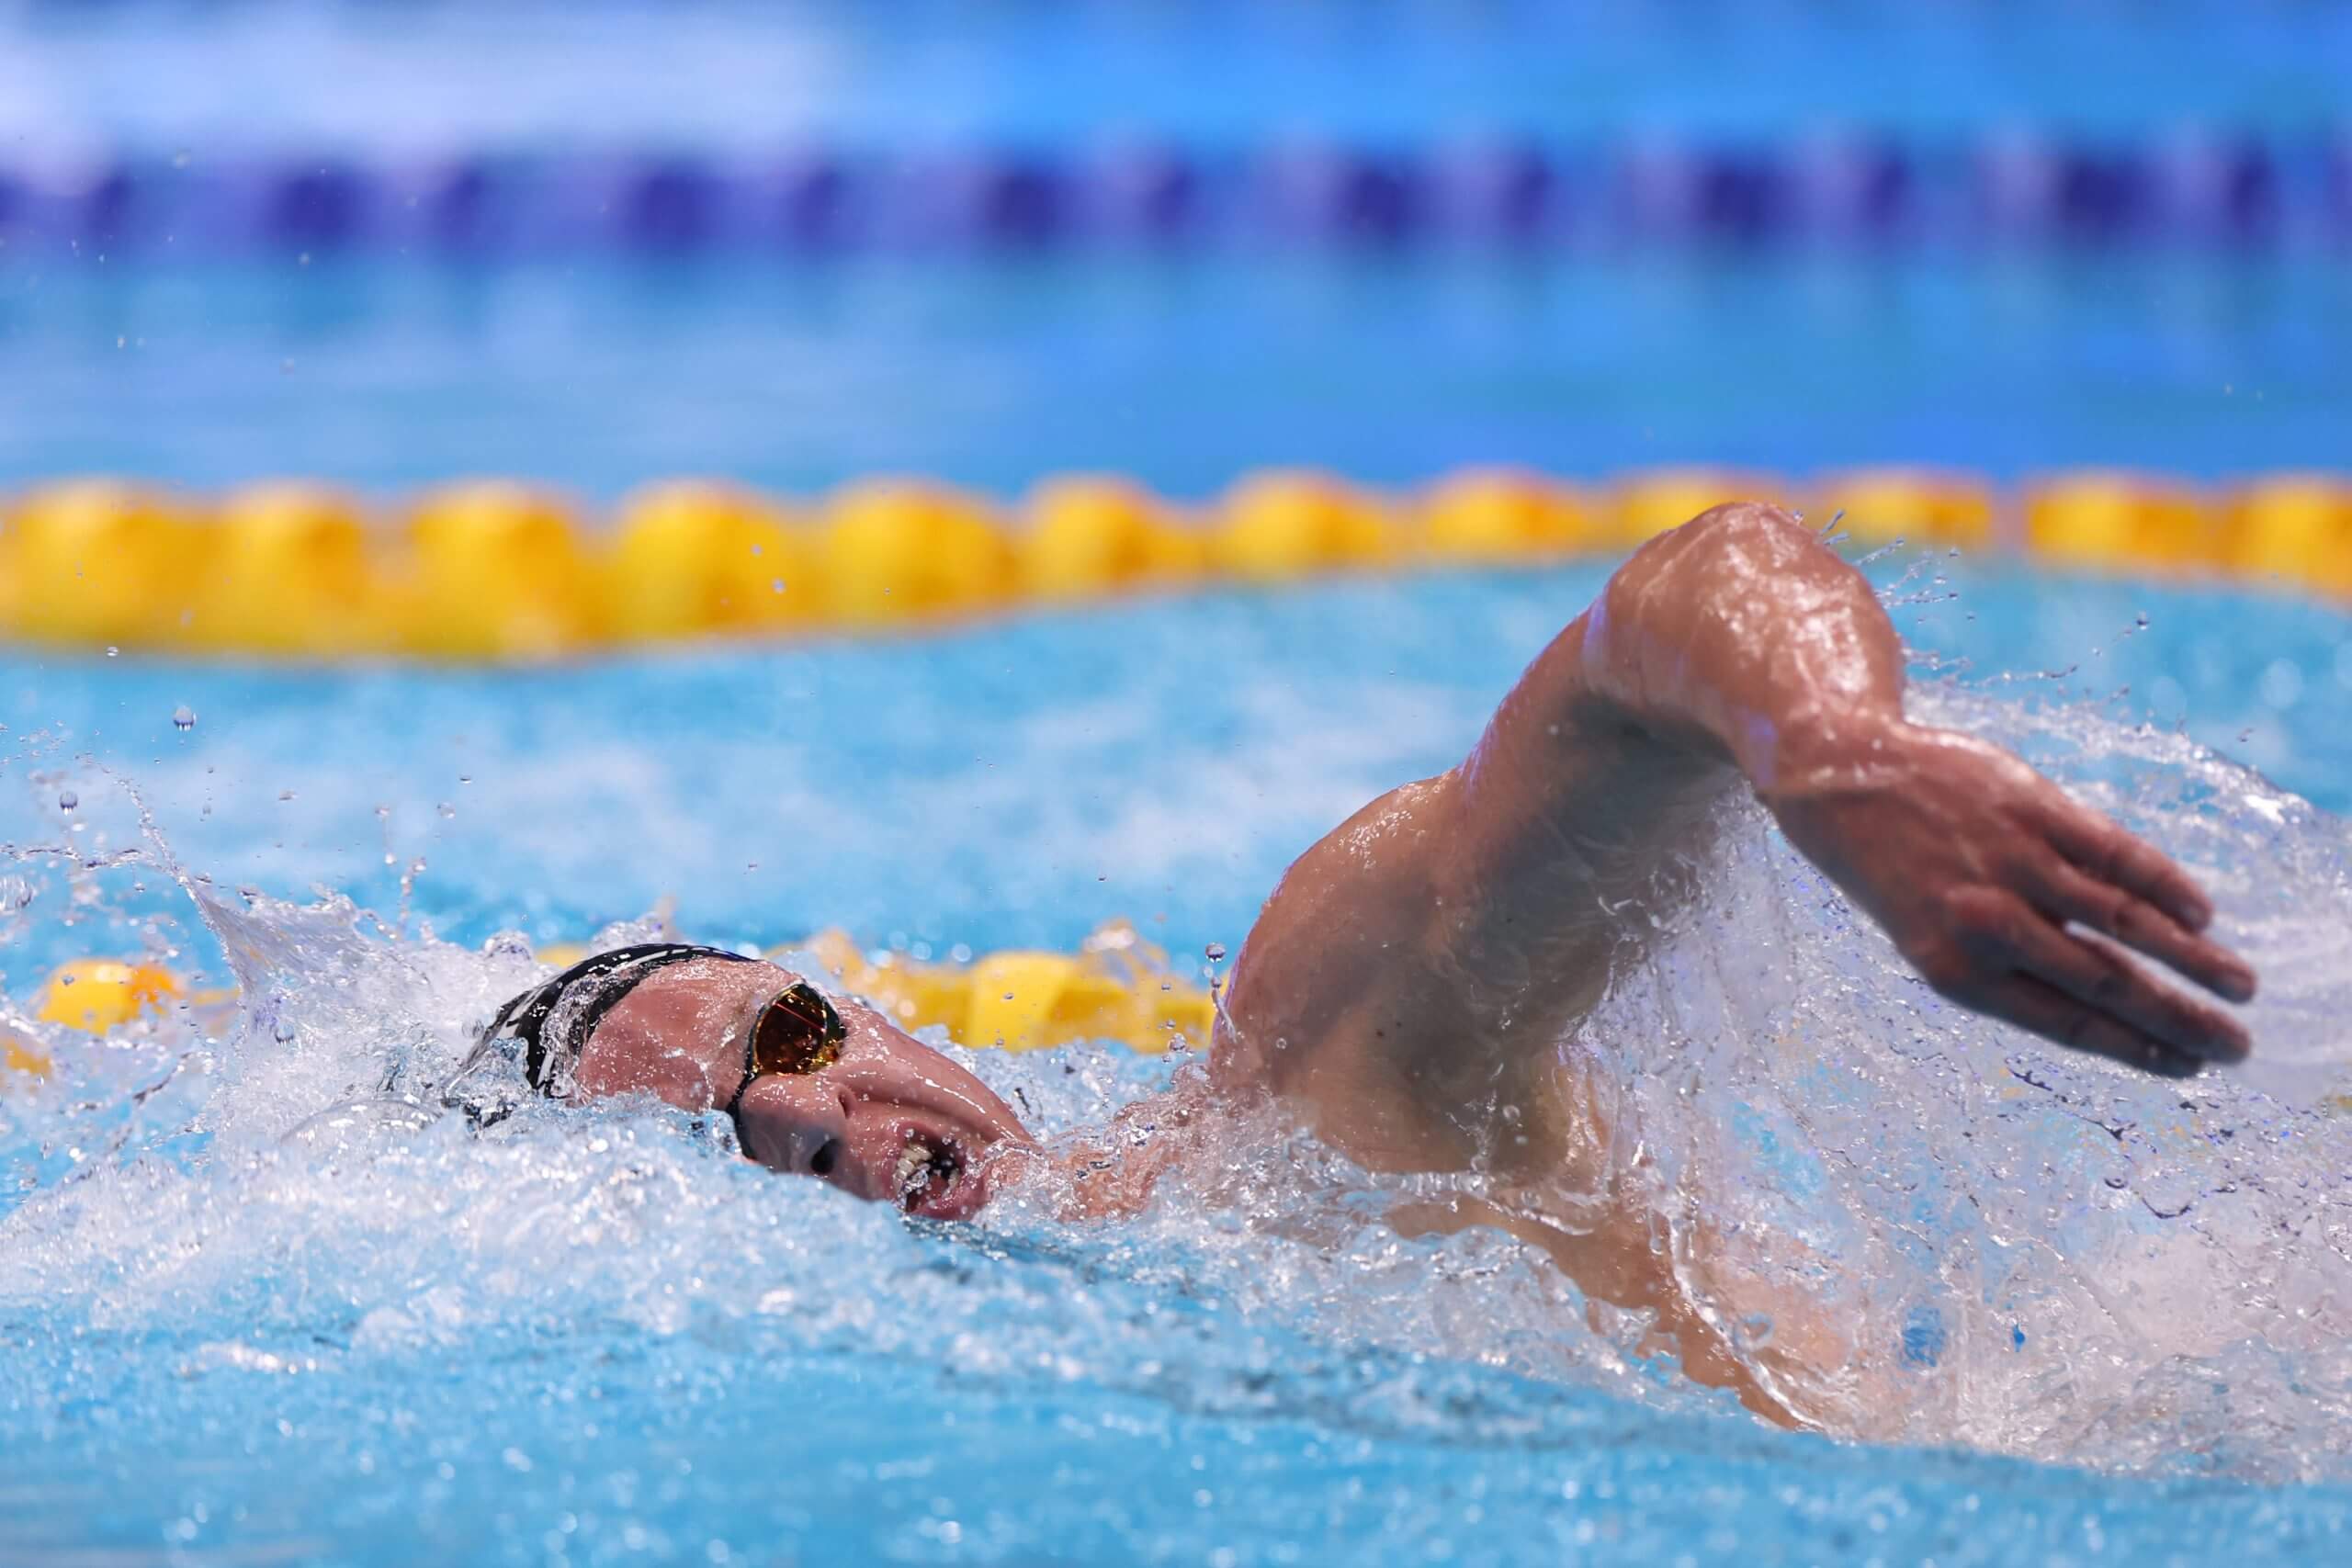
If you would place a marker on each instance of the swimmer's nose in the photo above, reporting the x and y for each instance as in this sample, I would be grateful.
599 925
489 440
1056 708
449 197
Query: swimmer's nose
796 1124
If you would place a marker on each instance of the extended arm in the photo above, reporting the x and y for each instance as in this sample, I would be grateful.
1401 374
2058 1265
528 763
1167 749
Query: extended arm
1416 961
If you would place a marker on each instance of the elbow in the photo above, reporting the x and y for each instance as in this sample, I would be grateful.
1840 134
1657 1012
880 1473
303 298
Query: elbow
1738 540
1638 632
1745 525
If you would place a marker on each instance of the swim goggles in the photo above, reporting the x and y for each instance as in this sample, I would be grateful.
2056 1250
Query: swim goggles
796 1033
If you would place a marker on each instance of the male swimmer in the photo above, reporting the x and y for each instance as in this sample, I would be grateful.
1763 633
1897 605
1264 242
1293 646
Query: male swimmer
1406 991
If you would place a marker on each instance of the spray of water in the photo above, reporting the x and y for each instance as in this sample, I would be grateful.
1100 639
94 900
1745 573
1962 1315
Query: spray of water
1923 1226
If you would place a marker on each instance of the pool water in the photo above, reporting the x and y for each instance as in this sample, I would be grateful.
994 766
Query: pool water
255 1309
1181 371
348 1335
421 77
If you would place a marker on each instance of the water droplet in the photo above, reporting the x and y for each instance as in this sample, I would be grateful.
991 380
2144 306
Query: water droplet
775 585
68 801
1216 952
113 652
447 810
183 717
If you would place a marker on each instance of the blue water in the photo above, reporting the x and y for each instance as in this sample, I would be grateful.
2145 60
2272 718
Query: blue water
604 1344
236 1331
599 376
1011 784
207 78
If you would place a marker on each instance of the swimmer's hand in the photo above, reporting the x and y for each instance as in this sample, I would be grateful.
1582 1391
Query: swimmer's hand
2008 896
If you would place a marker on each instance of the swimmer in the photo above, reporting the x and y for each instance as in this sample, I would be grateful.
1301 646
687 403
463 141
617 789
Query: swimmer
1406 991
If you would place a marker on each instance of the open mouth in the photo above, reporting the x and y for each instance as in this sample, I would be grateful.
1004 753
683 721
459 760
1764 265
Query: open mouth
925 1177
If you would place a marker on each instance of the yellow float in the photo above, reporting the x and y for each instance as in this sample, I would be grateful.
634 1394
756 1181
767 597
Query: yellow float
2293 527
99 562
1117 986
1088 537
18 1054
693 559
1281 527
290 572
2101 517
495 570
95 995
1925 505
900 550
1644 506
1504 516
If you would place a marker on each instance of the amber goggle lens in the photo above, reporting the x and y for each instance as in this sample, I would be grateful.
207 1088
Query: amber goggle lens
798 1033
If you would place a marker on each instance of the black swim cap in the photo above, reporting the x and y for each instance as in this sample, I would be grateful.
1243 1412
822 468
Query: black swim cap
584 994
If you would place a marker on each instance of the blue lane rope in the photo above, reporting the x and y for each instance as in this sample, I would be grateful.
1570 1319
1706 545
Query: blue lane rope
2197 187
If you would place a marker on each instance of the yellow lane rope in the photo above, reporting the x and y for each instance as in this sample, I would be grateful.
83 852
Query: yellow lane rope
1117 986
503 569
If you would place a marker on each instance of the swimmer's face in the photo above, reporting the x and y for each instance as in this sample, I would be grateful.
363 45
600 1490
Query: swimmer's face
889 1118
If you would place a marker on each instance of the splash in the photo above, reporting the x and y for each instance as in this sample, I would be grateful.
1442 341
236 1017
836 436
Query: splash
1940 1230
1929 1228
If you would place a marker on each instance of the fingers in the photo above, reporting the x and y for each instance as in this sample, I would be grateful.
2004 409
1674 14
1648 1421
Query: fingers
2095 975
2077 989
2050 1012
2066 894
2113 856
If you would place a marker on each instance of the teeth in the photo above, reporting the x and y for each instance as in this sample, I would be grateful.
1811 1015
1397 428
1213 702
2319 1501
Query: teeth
913 1169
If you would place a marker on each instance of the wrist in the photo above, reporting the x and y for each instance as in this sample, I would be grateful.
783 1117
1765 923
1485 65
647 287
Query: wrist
1822 749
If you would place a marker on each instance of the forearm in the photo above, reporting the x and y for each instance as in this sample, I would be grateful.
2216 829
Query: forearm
1738 641
1744 635
1440 940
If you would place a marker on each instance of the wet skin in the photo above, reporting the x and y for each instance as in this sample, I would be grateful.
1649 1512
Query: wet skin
680 1034
1405 989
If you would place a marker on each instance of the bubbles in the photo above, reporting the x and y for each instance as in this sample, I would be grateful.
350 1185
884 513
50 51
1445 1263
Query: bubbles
183 717
1987 1243
67 800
